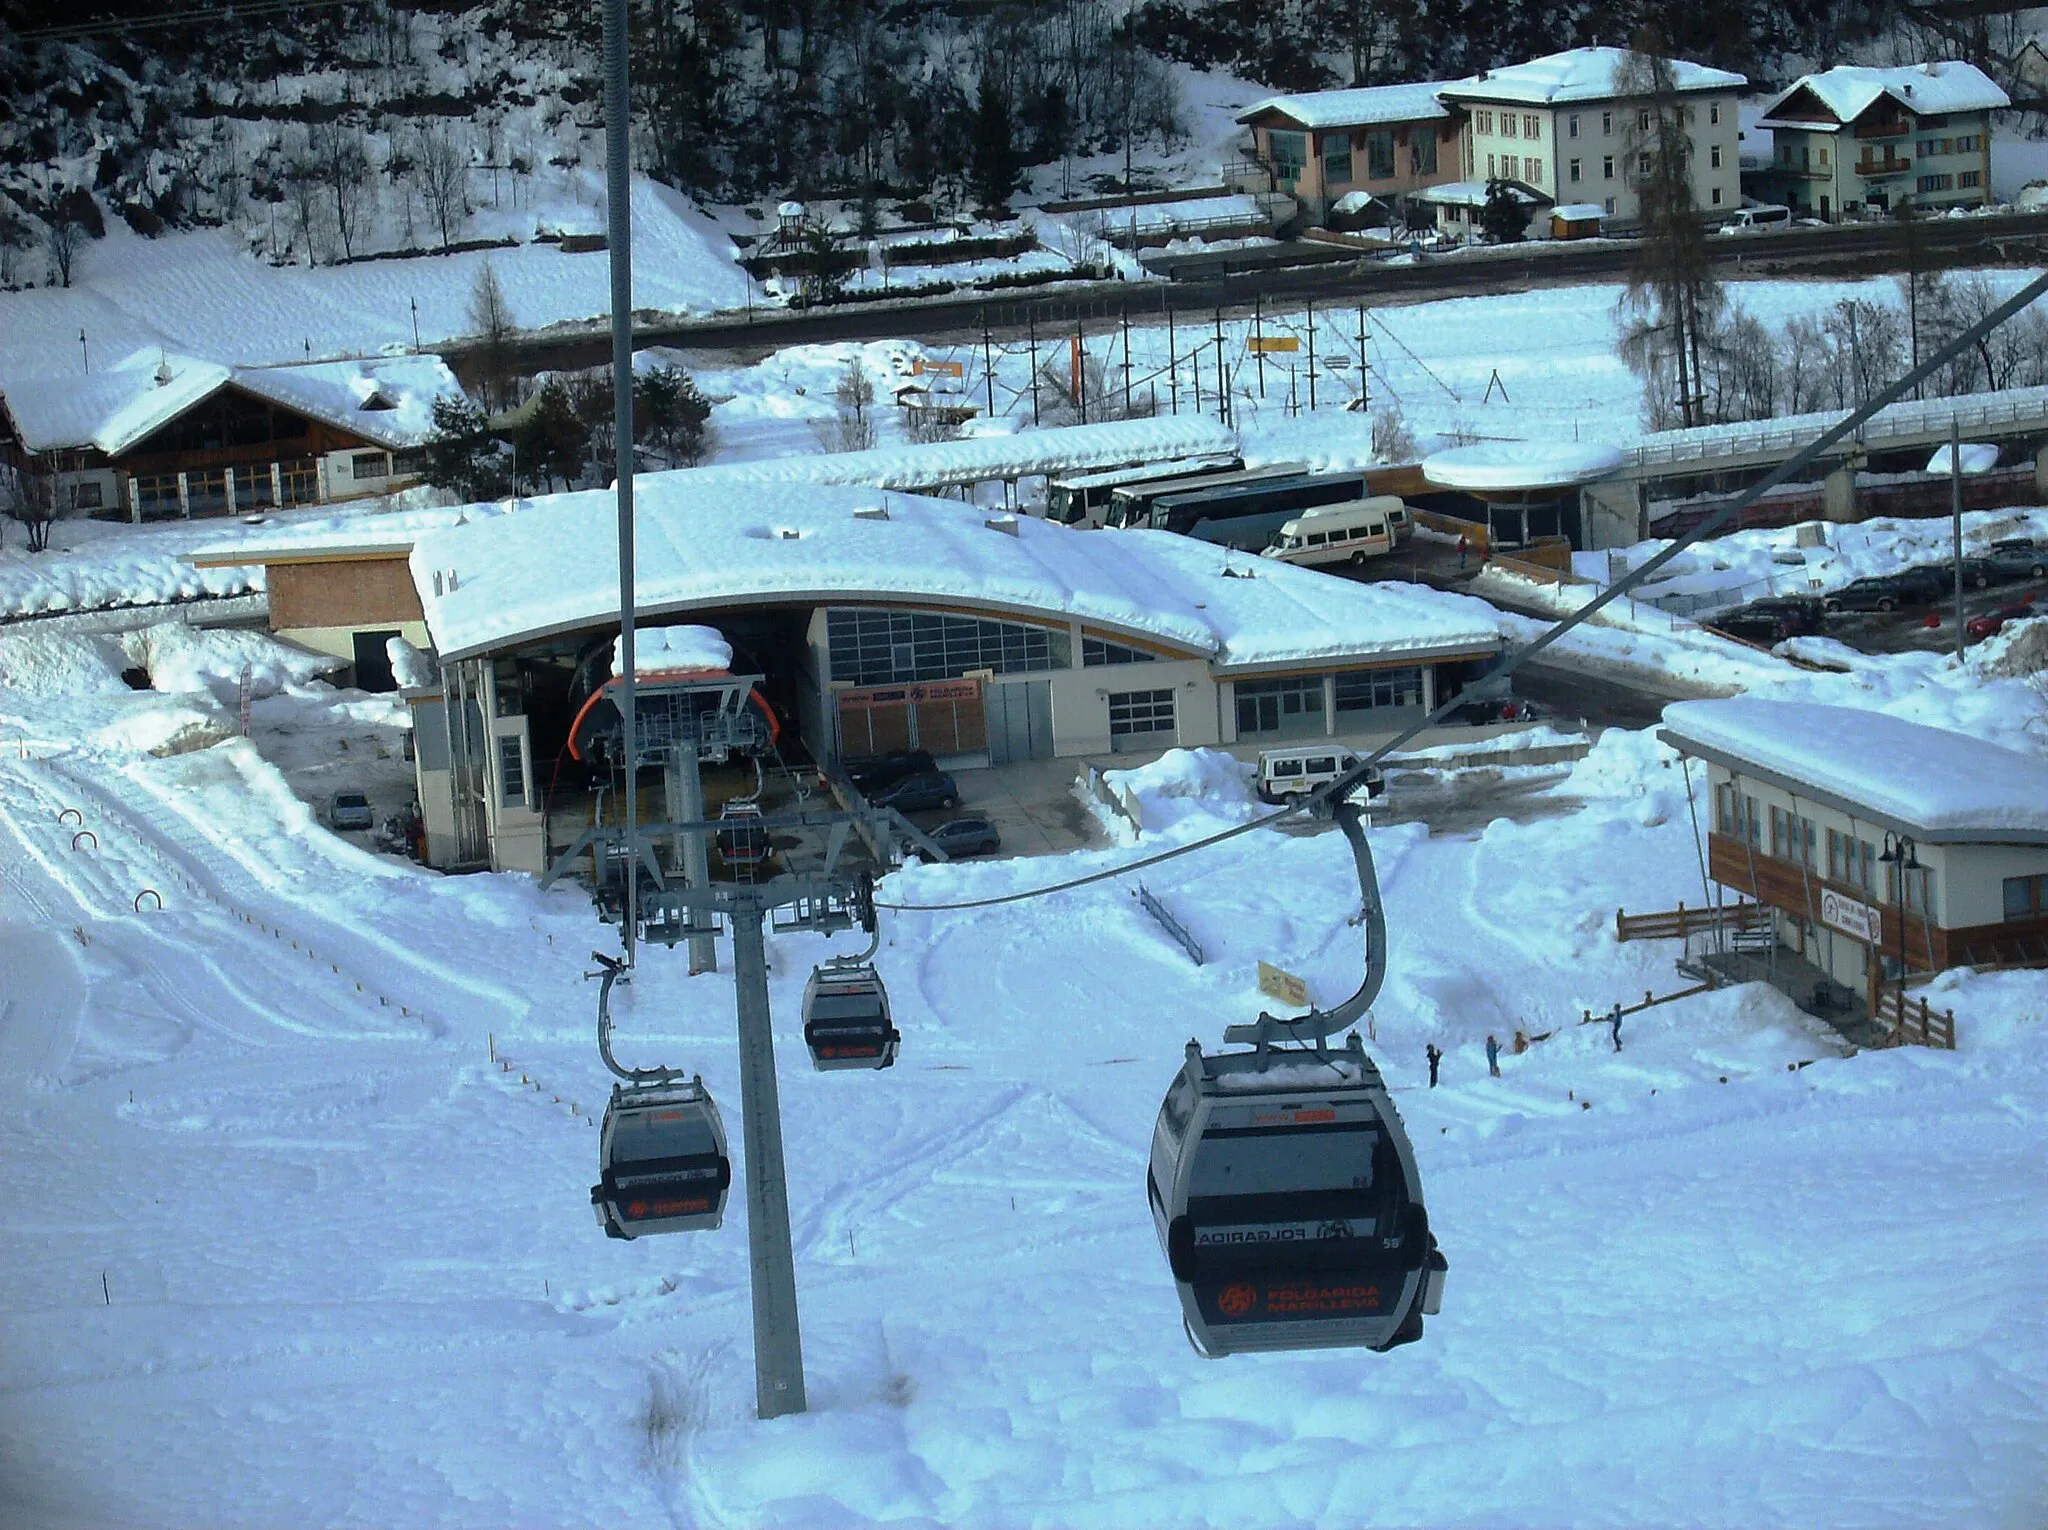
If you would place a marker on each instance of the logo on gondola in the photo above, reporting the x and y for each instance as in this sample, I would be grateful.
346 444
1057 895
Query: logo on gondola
1335 1230
1237 1300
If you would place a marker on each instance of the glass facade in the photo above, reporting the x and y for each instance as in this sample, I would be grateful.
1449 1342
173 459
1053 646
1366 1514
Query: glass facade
1366 690
1288 706
893 647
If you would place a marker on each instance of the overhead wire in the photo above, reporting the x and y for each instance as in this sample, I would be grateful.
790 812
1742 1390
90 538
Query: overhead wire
1355 777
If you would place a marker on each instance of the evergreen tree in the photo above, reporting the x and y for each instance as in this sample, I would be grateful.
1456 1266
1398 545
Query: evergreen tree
462 456
995 152
1505 217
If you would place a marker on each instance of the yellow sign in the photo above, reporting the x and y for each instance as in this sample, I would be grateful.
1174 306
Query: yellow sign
1272 344
1283 985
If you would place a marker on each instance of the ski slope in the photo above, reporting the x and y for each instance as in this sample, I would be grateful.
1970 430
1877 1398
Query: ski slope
351 1275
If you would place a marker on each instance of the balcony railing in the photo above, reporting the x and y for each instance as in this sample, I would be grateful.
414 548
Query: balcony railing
1877 169
1884 129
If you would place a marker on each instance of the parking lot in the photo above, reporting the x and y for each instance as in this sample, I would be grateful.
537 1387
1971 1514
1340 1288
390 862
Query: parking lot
1906 630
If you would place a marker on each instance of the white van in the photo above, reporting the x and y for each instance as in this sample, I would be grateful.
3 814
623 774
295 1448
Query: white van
1763 215
1346 533
1295 772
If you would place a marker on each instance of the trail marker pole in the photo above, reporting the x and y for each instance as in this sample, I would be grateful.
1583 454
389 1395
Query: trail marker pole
1258 342
1955 508
1172 362
1311 355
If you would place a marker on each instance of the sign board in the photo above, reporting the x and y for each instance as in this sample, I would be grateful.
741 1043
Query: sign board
1839 911
908 695
1278 983
1273 344
920 367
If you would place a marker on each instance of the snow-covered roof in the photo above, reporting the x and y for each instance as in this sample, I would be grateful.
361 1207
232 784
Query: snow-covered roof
1354 108
1977 457
670 650
1849 90
300 537
1502 465
1578 212
1031 453
1929 782
1472 194
388 399
553 568
1578 74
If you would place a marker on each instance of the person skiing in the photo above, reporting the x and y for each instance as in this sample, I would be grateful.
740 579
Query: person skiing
1493 1057
1614 1025
1435 1054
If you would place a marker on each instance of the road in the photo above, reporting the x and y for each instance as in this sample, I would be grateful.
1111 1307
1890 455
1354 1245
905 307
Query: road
1836 250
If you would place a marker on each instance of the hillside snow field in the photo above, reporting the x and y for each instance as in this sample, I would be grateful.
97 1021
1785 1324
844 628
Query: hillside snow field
295 1228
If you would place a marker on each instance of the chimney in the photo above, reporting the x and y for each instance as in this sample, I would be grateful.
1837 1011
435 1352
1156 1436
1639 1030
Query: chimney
163 369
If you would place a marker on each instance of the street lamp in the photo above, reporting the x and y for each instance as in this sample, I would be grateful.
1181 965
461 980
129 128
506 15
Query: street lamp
1899 855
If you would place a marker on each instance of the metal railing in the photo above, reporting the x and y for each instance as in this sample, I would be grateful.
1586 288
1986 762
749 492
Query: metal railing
1924 418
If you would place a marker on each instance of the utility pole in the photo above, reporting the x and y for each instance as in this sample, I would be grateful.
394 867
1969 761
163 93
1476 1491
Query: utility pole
1125 314
778 1339
1080 377
619 241
1364 383
1311 355
1222 392
1031 323
1173 365
988 362
1259 343
415 302
84 354
1955 509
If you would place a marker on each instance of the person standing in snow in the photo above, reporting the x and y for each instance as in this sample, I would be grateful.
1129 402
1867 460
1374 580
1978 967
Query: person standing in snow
1435 1054
1614 1025
1461 552
1493 1057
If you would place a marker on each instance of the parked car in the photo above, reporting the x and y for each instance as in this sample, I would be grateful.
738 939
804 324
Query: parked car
1765 627
1991 623
966 836
2015 544
2017 562
1886 592
926 789
871 776
351 810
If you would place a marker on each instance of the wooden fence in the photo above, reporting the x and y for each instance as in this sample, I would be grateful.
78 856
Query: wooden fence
1914 1022
1678 923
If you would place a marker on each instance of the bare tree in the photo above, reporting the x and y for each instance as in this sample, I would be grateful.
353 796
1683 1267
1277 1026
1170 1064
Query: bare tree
63 237
490 320
854 394
444 181
1392 440
31 498
341 162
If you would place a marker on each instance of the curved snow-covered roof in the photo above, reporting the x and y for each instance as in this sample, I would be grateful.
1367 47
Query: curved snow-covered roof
1937 785
1578 74
1354 108
1848 90
552 567
1522 465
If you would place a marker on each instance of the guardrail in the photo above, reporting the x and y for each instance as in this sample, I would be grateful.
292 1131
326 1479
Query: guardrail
1929 418
1682 922
1914 1022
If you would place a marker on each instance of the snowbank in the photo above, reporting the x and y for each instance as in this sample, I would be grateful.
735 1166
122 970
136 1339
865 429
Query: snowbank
213 660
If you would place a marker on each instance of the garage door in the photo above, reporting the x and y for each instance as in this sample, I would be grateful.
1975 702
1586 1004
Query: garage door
1019 721
943 717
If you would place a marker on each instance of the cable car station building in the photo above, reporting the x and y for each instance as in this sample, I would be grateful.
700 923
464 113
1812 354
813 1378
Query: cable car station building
882 622
1883 846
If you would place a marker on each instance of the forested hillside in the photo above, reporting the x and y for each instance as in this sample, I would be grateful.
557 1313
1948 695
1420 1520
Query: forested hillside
323 130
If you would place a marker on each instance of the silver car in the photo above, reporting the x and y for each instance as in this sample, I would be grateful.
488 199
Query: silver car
351 810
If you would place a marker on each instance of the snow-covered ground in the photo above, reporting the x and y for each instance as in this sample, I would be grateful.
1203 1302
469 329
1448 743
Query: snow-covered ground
294 1176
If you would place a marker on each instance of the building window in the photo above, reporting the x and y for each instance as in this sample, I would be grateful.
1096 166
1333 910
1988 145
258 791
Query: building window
1280 706
2026 897
1095 652
1717 196
1379 154
1751 823
1290 153
1571 124
1823 156
511 770
1713 111
1140 712
1366 690
1572 171
1724 809
1530 128
90 495
1507 125
1968 144
1607 173
1607 124
1927 148
1642 164
363 465
1967 178
300 482
1337 160
1937 182
1532 170
1608 207
1714 157
1422 151
1918 891
895 647
1642 121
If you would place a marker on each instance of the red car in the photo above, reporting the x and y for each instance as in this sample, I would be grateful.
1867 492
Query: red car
1991 623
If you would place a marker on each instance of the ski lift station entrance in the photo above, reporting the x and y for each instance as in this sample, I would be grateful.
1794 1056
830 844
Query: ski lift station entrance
882 622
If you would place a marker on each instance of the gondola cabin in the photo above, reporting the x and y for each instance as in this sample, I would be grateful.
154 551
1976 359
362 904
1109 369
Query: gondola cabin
742 838
1286 1199
846 1019
662 1161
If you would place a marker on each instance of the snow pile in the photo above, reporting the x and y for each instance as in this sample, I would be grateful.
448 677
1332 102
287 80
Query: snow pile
665 650
213 660
51 664
1978 457
409 666
1187 784
2016 651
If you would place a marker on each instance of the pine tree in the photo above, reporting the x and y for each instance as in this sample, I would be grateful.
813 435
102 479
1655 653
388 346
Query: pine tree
995 154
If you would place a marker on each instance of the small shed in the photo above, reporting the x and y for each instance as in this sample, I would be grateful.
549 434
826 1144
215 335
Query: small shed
1576 220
